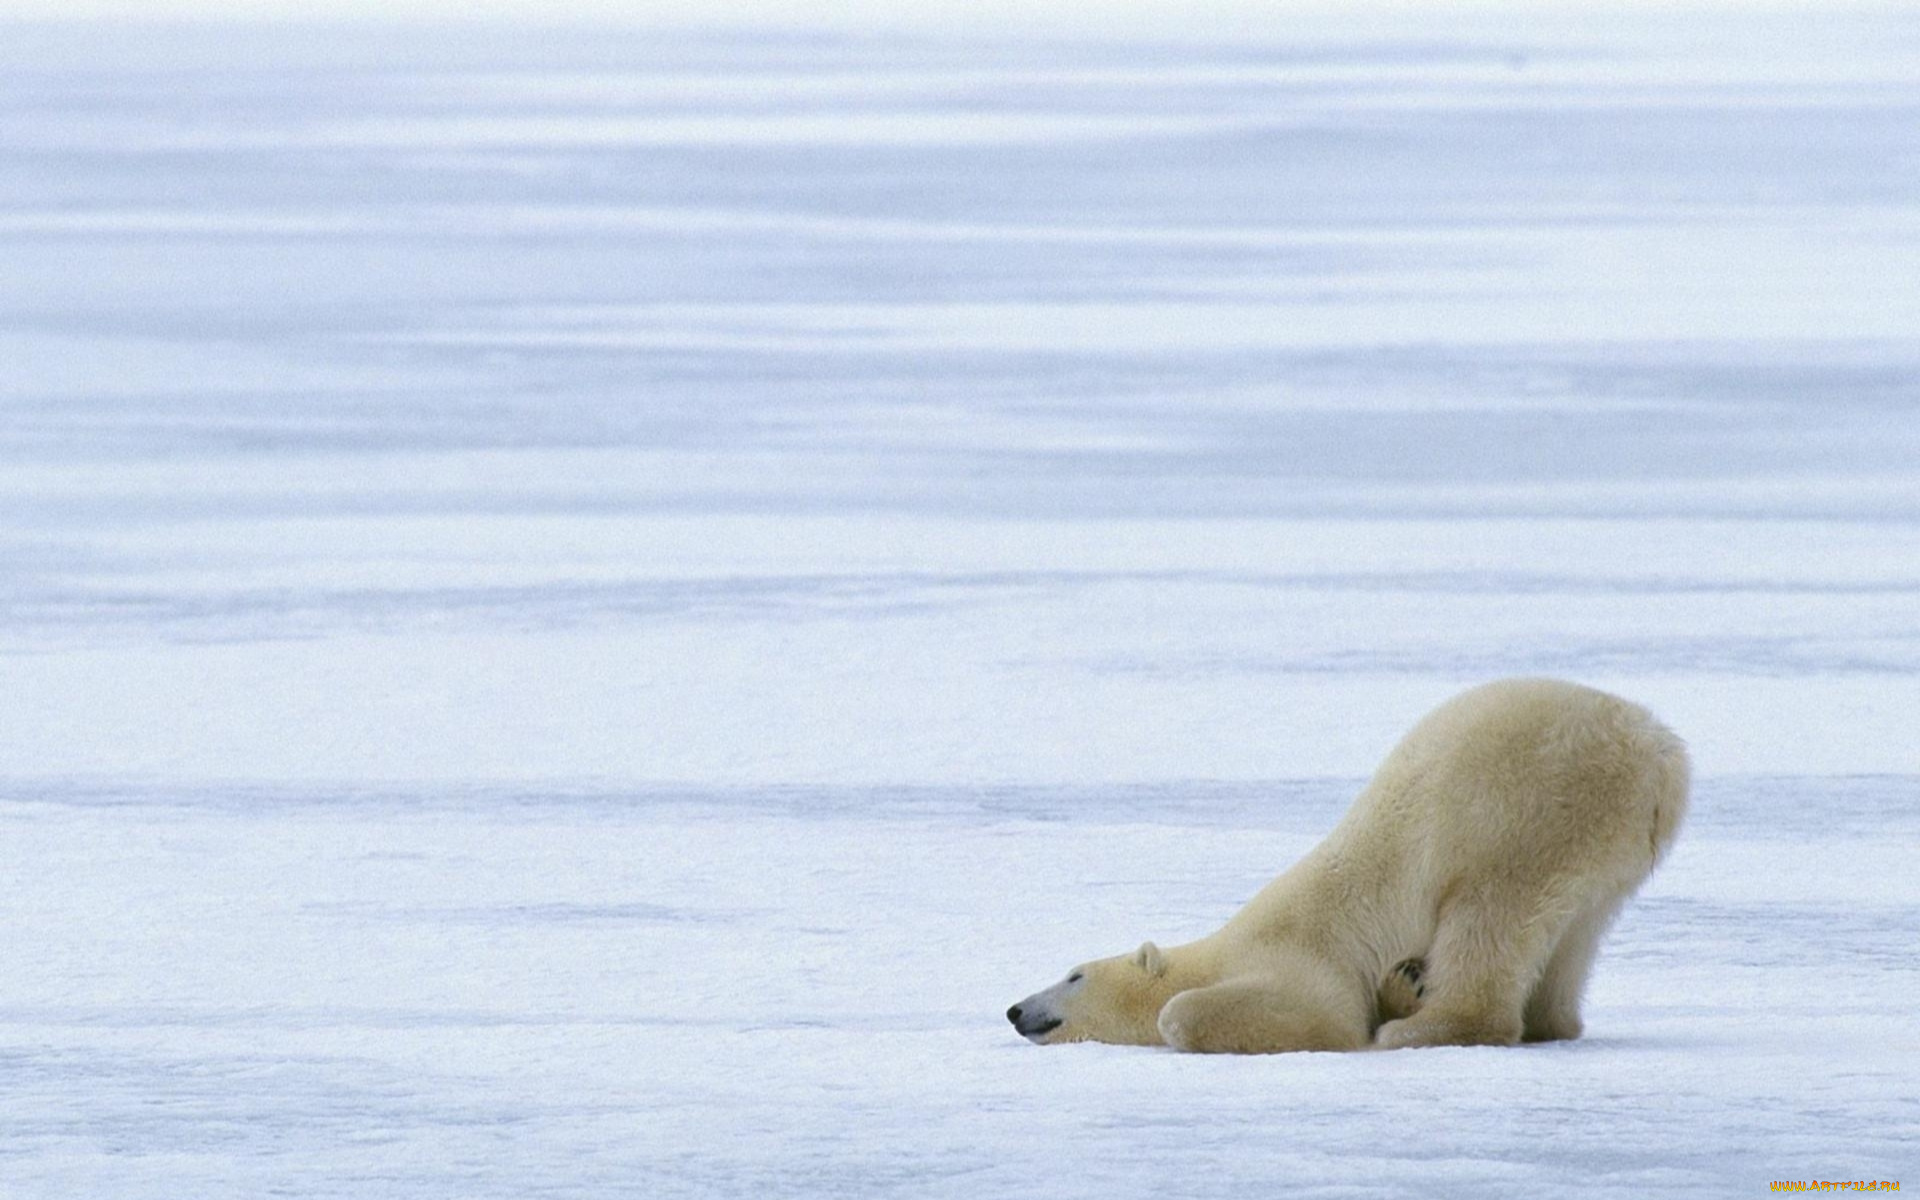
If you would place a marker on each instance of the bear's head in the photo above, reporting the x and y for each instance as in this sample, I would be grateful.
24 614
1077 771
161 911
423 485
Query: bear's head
1114 1000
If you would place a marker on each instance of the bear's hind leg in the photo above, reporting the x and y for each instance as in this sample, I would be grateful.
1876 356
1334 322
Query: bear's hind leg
1487 954
1256 1016
1553 1008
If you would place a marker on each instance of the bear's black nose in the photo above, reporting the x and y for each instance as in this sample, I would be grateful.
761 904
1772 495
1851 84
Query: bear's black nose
1013 1014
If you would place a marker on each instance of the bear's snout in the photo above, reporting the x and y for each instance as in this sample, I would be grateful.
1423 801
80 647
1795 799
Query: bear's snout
1030 1025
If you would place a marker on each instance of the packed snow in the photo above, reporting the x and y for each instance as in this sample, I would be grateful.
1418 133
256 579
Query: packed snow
583 605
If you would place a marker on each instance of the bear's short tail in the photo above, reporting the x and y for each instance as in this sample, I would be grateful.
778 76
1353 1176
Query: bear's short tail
1667 779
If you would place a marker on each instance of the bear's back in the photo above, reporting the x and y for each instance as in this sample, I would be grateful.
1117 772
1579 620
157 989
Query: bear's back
1522 775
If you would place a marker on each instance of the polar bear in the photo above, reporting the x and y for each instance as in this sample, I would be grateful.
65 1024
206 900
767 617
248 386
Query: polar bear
1459 902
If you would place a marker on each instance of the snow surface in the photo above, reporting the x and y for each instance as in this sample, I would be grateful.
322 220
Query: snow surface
582 607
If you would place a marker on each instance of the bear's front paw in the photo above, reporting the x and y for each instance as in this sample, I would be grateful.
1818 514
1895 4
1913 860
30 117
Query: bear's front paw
1403 990
1178 1025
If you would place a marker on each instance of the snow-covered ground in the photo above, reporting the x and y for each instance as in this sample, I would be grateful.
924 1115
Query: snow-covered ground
582 608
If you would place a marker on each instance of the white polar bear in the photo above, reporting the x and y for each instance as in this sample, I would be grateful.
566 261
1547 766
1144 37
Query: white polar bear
1493 847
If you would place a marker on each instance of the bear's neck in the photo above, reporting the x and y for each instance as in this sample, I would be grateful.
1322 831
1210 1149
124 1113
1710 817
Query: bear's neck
1195 964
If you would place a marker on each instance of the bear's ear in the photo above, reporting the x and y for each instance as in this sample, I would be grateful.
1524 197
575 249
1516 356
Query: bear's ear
1149 959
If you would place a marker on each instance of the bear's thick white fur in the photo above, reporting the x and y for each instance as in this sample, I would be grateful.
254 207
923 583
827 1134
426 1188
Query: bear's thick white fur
1497 842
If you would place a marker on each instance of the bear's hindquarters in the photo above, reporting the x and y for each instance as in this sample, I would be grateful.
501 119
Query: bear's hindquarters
1513 947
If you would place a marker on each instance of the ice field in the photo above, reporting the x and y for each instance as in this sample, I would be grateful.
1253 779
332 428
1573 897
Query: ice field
583 606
